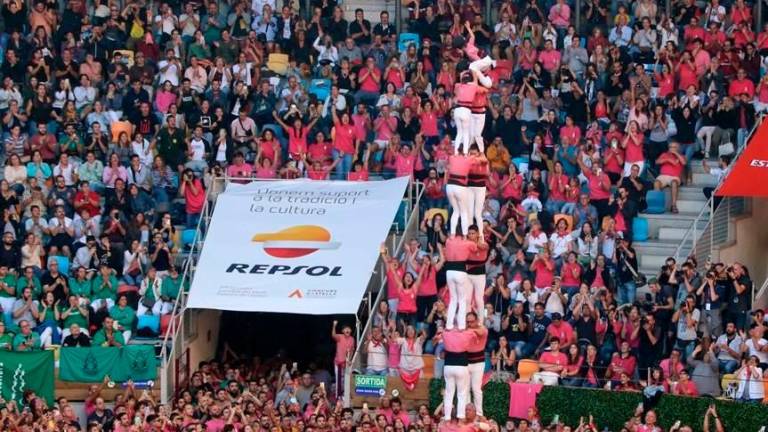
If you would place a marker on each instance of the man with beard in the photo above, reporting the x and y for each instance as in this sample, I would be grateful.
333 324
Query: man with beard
10 255
728 349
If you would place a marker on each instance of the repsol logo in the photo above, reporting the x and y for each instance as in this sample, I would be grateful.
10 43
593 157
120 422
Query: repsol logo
759 163
285 270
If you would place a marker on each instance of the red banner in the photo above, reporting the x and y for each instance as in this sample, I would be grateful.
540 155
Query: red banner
748 176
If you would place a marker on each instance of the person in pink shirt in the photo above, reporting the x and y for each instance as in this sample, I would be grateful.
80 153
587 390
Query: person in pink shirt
550 57
477 180
476 359
457 179
464 95
686 72
457 251
599 185
405 161
407 291
345 348
428 119
345 143
297 135
456 372
369 81
318 171
742 84
384 127
478 65
560 15
360 167
240 168
632 144
672 165
551 364
362 121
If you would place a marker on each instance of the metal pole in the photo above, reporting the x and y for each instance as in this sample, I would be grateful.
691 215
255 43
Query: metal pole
398 15
758 16
488 12
668 7
578 15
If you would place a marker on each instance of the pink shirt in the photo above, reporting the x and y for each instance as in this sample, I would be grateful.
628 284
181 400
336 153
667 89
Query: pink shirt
472 51
429 124
345 345
570 134
672 166
265 173
243 170
404 165
560 15
597 192
634 150
385 127
568 271
361 130
549 59
478 343
407 299
297 142
344 140
361 175
459 166
458 341
369 84
458 249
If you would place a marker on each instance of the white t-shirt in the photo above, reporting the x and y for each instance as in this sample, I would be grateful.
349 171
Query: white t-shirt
198 149
755 350
171 74
536 243
377 356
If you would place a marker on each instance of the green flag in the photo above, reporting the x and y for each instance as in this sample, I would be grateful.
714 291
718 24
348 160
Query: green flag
20 371
132 362
87 364
137 363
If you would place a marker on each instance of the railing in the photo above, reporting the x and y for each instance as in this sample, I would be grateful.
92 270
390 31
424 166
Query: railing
395 242
175 337
713 225
758 294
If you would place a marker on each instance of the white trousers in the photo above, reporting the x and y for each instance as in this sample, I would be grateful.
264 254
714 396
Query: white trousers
460 289
476 204
458 198
478 295
46 337
480 66
456 383
478 124
462 117
476 371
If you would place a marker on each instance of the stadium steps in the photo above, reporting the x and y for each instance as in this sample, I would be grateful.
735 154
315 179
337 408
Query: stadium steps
666 231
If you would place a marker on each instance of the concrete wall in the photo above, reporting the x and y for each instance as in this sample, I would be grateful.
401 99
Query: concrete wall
751 245
204 327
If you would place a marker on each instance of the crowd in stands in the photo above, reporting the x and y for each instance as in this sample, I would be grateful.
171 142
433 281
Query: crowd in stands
249 395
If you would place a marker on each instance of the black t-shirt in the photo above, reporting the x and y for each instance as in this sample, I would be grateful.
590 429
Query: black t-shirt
514 332
82 340
586 330
741 302
356 27
145 124
49 279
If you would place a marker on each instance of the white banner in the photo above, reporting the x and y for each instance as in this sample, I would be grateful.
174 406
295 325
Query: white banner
297 246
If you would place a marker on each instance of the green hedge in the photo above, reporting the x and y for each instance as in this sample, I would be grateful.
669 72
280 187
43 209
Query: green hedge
612 409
